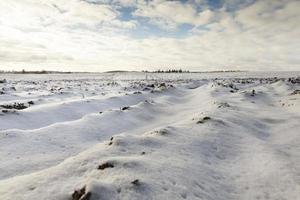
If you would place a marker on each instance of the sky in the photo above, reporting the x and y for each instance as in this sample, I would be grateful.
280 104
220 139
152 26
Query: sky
196 35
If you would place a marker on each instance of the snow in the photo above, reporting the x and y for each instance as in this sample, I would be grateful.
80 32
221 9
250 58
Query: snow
187 136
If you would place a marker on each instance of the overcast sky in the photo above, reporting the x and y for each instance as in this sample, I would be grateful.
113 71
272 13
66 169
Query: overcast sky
101 35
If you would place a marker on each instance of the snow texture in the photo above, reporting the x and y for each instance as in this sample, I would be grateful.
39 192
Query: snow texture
150 136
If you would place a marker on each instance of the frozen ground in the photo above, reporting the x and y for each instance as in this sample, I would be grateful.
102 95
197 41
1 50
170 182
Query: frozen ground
150 136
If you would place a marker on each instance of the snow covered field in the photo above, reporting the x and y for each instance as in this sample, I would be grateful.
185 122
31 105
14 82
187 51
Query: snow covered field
150 136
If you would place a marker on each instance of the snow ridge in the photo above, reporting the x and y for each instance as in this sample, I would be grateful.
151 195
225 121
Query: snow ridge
205 139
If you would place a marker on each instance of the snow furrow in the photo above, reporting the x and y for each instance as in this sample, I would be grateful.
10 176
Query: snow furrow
210 139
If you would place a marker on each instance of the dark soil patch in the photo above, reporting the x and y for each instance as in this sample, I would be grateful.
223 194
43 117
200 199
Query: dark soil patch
162 132
162 85
204 119
8 111
105 165
295 92
136 182
125 108
81 194
294 80
151 85
223 105
17 106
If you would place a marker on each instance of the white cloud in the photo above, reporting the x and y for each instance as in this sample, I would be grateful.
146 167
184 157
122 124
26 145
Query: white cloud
260 36
57 13
171 14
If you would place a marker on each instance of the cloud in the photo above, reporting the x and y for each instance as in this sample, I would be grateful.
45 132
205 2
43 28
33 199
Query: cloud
93 36
171 14
58 13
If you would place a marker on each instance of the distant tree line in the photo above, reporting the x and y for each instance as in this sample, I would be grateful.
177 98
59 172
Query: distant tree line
187 71
168 71
32 72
